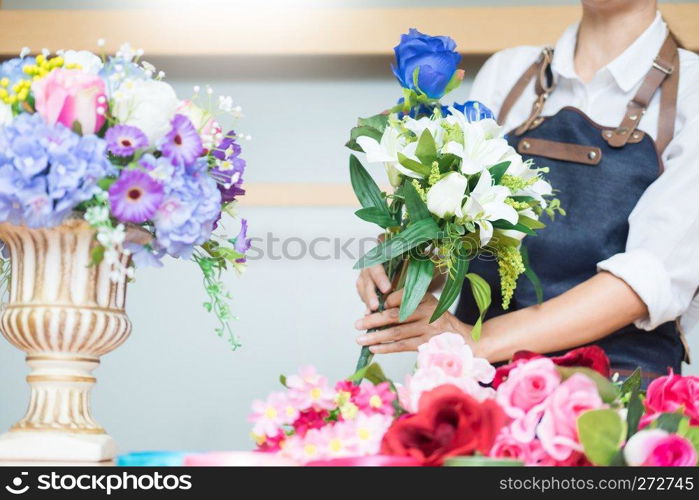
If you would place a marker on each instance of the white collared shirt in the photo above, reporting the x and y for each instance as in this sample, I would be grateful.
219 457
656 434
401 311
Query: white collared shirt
661 261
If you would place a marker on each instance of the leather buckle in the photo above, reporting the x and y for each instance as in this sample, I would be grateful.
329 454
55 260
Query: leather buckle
668 70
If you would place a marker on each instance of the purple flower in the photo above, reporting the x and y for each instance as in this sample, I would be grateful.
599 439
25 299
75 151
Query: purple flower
191 205
241 242
124 140
182 144
47 170
229 168
135 196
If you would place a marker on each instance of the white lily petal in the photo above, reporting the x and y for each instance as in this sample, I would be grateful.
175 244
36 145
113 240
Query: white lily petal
486 231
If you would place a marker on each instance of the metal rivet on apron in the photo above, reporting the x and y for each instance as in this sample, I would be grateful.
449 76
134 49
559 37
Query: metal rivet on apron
633 117
621 130
538 121
526 145
592 155
608 133
635 135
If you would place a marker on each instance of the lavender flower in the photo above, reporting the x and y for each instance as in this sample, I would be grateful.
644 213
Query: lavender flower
135 196
229 168
182 144
47 170
124 140
190 206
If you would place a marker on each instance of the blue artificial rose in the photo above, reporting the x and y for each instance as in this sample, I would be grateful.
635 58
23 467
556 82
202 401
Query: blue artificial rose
474 110
436 58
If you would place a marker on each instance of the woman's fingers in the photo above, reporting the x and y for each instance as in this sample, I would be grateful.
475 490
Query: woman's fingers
401 346
369 291
395 299
393 334
380 278
377 320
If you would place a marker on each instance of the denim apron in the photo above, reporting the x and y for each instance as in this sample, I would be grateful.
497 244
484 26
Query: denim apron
600 174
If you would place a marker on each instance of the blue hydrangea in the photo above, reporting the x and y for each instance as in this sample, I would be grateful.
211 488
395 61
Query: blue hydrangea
47 170
191 205
12 69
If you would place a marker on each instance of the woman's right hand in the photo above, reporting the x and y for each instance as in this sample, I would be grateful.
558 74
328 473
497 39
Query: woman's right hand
370 279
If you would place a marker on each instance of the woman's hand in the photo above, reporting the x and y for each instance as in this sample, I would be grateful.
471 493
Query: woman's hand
410 334
371 278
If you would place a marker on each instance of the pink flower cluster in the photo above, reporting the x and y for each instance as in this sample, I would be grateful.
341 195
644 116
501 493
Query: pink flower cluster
446 359
313 421
544 410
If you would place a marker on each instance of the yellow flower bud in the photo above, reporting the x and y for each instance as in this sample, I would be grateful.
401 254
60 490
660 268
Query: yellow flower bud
11 99
23 94
29 69
57 62
4 82
40 58
3 94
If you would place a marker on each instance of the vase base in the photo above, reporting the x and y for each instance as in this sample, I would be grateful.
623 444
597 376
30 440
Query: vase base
56 447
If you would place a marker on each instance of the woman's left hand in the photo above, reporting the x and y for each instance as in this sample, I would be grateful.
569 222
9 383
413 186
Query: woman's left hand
410 334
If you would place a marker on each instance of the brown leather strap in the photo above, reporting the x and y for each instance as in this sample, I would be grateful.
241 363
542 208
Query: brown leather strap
668 106
663 66
537 69
543 87
564 151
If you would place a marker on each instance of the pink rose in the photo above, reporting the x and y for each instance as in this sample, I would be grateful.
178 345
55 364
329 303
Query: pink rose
523 395
658 448
450 353
672 393
558 428
70 95
508 446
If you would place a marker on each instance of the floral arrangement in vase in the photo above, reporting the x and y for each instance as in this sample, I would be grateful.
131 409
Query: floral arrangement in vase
106 139
537 411
460 191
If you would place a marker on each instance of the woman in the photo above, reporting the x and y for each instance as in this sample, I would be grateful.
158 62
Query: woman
622 266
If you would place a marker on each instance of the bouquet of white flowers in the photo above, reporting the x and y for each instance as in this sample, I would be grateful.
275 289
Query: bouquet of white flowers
460 191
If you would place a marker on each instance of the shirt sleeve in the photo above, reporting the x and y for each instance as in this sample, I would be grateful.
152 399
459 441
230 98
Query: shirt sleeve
661 261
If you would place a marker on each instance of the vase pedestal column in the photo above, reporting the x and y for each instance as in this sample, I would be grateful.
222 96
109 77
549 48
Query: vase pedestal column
64 313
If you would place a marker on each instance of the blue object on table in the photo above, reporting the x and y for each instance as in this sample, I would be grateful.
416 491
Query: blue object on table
152 459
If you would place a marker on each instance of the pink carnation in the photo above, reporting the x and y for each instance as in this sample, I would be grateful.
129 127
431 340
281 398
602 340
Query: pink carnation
375 398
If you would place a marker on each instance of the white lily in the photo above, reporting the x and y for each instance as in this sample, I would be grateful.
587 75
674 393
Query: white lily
424 123
486 204
483 145
445 196
524 170
386 152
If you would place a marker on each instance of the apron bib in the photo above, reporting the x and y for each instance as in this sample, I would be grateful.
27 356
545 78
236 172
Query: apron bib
600 173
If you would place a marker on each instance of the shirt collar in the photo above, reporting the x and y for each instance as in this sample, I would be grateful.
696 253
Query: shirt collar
628 68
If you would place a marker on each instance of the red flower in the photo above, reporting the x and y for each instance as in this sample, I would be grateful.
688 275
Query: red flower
310 419
591 356
673 393
448 423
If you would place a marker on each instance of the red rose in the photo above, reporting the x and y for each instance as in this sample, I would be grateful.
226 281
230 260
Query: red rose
448 423
673 393
591 356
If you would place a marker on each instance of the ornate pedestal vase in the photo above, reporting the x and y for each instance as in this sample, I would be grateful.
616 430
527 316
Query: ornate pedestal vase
64 314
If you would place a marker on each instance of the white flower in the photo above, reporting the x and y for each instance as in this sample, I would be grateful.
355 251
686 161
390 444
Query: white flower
523 169
424 123
87 61
5 114
386 152
486 204
483 144
202 120
146 104
445 198
519 235
126 52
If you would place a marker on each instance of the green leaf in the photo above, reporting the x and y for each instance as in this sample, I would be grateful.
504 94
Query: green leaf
96 255
497 171
282 380
416 233
413 165
607 391
503 224
531 275
480 289
452 287
377 122
362 130
417 281
525 199
668 422
446 162
530 223
634 411
454 81
373 373
367 191
77 127
602 433
376 216
414 204
426 150
633 383
106 182
689 432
